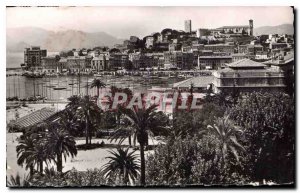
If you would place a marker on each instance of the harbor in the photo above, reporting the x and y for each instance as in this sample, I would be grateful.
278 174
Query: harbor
61 87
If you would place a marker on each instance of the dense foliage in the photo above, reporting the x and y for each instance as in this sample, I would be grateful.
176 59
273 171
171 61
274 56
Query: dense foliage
269 123
233 139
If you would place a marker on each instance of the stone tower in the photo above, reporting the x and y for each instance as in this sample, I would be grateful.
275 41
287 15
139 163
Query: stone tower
251 27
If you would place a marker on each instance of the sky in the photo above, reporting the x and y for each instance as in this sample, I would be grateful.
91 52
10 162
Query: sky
123 22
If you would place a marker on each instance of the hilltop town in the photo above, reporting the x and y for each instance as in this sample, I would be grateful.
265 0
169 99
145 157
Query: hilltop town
183 52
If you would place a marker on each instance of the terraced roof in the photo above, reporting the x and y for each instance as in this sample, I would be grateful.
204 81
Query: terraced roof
35 117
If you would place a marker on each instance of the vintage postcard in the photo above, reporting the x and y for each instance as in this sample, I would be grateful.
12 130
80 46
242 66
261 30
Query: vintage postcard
150 96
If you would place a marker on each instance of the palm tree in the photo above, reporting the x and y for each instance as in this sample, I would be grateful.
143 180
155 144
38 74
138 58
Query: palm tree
227 133
73 102
69 122
31 152
89 112
24 152
85 110
17 181
99 84
144 122
60 143
122 164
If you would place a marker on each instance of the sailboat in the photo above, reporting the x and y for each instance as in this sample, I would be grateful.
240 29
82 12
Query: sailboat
58 87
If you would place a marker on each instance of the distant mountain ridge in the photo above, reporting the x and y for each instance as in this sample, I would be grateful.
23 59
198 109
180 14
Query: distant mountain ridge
279 29
19 38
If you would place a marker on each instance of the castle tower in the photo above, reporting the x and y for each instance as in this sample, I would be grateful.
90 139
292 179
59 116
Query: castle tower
188 26
251 27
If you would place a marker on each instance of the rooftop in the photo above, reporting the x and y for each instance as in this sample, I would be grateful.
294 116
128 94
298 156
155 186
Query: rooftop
215 45
198 82
246 63
234 26
35 117
214 57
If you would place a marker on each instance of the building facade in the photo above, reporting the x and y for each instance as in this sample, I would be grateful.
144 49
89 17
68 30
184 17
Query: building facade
117 61
178 59
229 49
99 63
213 62
50 64
33 58
248 76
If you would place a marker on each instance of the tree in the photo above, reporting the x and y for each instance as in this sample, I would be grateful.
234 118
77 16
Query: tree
57 58
24 152
18 181
144 122
98 84
69 122
194 122
31 151
114 50
60 143
227 134
269 122
85 110
89 112
122 164
189 161
73 102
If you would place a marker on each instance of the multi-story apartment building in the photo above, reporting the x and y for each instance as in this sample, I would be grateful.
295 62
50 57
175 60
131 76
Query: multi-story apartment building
243 49
141 60
241 56
178 59
253 49
117 61
50 64
220 48
213 62
174 46
278 45
76 63
99 63
33 58
248 76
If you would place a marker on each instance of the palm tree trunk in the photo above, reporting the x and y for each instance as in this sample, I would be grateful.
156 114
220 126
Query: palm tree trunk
97 93
134 141
41 167
59 162
86 130
126 180
129 139
143 183
31 168
90 134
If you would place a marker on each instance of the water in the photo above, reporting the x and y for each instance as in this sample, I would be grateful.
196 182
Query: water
14 59
24 87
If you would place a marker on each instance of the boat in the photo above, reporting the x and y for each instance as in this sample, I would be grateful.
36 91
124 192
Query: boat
164 77
97 75
181 76
59 88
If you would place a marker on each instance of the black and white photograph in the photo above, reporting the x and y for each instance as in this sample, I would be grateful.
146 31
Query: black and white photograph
150 96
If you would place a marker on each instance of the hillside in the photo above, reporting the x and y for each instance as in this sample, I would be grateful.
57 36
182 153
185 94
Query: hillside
279 29
19 38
